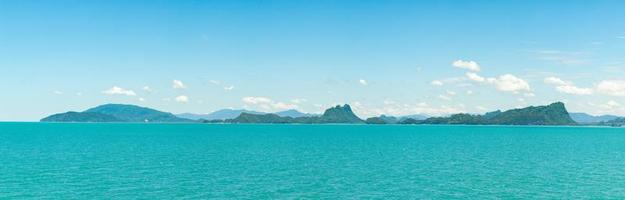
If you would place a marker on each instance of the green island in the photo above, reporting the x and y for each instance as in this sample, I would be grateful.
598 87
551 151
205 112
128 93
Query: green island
552 114
116 113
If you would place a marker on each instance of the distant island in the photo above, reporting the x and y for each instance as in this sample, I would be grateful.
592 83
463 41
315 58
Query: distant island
552 114
335 115
225 114
116 113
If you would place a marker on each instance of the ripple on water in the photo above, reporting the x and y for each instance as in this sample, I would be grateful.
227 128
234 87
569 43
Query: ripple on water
165 161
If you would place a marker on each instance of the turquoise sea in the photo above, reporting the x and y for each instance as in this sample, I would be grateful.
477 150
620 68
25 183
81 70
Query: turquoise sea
211 161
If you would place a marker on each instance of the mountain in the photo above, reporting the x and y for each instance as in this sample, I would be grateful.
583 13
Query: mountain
584 118
461 118
247 118
409 121
132 113
80 117
614 122
552 114
389 119
192 116
338 114
293 113
375 120
222 114
490 115
417 117
116 113
382 119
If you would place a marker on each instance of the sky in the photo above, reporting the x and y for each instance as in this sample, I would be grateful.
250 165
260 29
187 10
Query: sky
381 57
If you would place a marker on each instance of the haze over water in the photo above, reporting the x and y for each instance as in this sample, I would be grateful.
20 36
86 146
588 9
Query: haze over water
165 161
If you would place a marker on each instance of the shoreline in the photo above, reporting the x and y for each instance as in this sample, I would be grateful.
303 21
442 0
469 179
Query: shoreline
309 124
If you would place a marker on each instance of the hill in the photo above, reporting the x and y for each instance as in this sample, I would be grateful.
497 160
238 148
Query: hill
264 118
116 113
383 119
618 122
584 118
376 120
225 114
552 114
293 113
80 117
338 114
416 117
222 114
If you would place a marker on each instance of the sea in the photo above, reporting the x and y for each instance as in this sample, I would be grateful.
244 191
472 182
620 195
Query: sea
263 161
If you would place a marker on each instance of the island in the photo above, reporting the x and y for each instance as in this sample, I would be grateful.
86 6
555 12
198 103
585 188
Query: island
336 115
117 113
552 114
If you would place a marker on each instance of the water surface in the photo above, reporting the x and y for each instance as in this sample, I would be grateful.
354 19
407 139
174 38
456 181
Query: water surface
165 161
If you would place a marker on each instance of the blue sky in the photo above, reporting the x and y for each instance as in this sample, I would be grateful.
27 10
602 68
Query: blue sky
382 57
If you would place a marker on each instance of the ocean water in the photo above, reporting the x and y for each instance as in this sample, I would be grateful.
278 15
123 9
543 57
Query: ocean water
211 161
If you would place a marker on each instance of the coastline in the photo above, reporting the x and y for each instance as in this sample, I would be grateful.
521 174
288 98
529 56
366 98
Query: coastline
306 124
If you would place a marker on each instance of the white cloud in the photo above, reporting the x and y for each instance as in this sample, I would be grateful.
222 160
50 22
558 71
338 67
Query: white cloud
119 91
400 109
474 77
256 100
562 57
228 88
299 100
567 86
481 108
613 104
571 89
57 92
283 106
451 93
78 93
612 87
388 102
506 82
529 94
469 92
267 103
470 65
141 99
215 82
509 83
443 97
182 99
609 107
555 81
363 82
177 84
147 89
436 82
